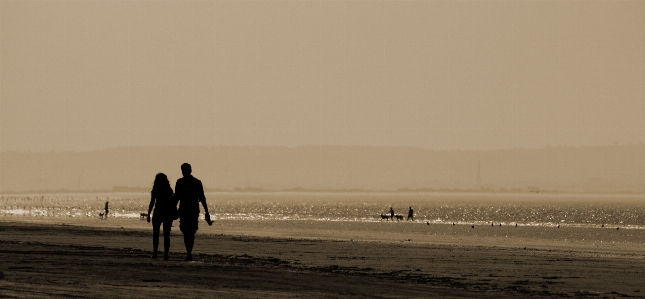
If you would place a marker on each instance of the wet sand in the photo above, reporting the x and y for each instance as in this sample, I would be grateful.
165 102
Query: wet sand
238 260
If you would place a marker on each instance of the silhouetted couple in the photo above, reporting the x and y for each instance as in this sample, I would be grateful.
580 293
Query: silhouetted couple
189 192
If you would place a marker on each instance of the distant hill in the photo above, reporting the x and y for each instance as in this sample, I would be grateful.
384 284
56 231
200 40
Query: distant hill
618 168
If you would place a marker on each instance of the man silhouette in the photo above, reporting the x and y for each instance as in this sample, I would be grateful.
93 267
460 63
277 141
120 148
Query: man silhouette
189 192
411 214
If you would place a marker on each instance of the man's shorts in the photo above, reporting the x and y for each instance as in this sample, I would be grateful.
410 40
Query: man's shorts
188 227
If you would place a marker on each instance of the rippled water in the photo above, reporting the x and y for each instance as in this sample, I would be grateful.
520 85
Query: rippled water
507 209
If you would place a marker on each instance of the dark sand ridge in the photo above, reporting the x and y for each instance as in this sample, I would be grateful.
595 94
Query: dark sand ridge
44 260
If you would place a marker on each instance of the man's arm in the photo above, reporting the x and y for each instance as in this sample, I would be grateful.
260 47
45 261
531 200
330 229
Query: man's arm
178 191
202 198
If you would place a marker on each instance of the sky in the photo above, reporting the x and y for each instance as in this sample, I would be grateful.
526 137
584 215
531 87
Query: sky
441 75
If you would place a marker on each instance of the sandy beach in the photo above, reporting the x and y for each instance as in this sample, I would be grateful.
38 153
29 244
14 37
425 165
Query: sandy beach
41 259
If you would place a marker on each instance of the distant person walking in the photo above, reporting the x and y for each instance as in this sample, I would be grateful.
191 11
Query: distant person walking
189 192
106 209
392 213
411 214
161 198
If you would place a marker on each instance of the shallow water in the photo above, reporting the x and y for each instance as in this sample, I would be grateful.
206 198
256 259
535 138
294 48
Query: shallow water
625 211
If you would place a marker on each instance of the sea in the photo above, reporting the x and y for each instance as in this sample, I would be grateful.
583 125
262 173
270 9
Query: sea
530 209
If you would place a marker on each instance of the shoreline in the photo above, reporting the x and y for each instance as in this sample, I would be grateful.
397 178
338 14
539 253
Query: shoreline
593 239
472 269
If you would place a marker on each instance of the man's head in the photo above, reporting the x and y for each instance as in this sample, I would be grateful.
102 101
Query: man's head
186 169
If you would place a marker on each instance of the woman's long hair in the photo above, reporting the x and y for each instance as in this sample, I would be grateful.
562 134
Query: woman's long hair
161 185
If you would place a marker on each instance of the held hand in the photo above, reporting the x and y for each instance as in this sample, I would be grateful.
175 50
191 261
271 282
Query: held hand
148 219
208 219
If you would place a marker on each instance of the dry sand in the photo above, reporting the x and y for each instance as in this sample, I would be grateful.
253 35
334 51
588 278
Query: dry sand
238 261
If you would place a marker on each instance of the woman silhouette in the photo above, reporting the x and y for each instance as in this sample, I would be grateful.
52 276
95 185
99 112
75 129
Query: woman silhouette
162 200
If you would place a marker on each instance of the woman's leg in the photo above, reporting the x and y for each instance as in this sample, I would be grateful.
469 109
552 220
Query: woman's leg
155 238
167 225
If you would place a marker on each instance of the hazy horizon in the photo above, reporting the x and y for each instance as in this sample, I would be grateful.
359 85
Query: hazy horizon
438 75
576 169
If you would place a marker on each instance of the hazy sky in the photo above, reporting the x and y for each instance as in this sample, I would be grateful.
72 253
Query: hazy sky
84 75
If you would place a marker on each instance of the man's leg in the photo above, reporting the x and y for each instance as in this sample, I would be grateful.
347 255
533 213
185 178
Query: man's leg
189 241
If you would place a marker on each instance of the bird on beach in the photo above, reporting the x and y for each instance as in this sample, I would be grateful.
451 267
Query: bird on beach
617 228
453 223
492 224
558 225
473 226
428 223
515 224
500 224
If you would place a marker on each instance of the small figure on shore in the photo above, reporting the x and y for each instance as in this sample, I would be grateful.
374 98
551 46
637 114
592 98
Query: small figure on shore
558 225
500 224
453 224
392 213
161 198
617 228
428 223
515 224
106 210
473 226
492 224
189 192
411 214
